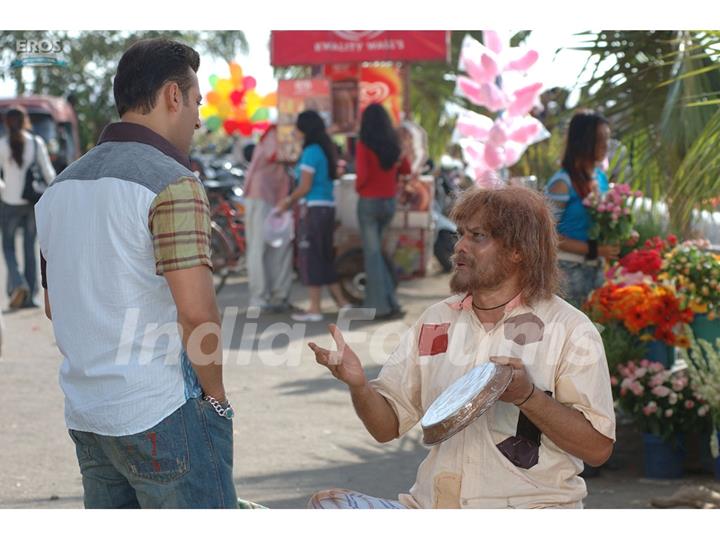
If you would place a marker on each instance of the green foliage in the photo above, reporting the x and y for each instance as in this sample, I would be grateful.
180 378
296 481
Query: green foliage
649 225
620 345
432 89
92 59
661 91
703 361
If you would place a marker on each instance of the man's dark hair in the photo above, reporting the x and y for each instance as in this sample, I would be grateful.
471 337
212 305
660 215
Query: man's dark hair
146 66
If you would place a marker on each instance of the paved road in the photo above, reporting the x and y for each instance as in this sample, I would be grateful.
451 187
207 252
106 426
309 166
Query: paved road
295 431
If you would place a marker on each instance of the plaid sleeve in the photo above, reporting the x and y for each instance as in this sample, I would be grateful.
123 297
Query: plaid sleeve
179 222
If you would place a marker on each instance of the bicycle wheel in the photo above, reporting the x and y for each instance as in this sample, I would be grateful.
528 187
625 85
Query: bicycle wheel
221 256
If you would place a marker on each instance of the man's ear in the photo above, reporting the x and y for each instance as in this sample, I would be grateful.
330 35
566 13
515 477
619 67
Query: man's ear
172 95
516 257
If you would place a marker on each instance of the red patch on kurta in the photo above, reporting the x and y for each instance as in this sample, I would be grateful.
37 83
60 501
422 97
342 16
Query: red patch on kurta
433 339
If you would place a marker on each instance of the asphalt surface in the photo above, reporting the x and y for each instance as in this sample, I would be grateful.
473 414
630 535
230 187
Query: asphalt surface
295 430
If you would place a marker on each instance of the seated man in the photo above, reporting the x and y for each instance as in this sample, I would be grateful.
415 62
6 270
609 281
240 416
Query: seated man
528 449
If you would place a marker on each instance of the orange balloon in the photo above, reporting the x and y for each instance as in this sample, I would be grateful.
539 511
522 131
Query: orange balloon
236 74
213 98
270 100
240 114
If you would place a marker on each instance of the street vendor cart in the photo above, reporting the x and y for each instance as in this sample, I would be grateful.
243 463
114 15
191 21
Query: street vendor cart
350 70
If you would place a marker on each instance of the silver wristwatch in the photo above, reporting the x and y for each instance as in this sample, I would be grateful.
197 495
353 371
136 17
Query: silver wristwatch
225 411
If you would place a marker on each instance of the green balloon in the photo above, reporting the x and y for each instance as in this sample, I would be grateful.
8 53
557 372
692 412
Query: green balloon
260 115
213 123
214 80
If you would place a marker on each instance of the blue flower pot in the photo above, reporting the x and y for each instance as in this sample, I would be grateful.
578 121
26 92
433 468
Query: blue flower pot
659 351
704 328
663 459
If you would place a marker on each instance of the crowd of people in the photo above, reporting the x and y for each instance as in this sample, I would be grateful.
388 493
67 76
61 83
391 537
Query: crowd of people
139 220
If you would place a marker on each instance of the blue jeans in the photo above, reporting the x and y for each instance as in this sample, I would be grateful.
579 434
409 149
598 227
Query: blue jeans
374 215
580 280
12 218
185 461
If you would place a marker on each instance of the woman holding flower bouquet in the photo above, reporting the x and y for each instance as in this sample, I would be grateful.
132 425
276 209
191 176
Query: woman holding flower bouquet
580 256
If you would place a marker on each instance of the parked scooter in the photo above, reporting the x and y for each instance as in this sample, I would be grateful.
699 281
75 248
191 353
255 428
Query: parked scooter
448 184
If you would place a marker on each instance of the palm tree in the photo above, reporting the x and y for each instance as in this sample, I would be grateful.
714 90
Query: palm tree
661 90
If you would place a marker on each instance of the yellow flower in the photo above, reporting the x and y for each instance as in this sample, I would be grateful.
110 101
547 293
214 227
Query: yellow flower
697 307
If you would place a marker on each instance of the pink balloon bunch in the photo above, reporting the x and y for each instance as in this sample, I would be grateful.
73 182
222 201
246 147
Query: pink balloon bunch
490 145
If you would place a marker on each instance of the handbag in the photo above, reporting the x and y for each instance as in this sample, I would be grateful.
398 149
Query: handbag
35 184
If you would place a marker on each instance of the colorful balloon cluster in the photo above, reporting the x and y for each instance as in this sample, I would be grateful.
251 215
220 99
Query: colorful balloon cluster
497 82
235 106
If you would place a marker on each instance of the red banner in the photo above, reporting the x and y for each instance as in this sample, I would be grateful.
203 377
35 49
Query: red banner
306 47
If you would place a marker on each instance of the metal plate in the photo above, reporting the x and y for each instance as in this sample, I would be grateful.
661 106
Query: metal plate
464 401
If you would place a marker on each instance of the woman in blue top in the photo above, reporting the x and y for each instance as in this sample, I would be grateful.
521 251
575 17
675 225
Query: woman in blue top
580 258
316 169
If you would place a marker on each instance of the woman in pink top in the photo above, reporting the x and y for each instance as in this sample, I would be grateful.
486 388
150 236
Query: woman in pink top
269 268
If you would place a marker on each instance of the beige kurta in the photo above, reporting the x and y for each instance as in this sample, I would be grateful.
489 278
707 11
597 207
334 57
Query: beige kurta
564 356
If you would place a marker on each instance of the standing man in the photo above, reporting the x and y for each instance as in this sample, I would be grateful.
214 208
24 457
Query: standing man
125 239
528 449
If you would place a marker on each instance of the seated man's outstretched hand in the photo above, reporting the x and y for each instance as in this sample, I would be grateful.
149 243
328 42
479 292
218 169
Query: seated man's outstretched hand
344 364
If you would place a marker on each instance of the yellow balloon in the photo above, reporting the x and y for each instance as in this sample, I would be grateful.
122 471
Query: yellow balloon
224 110
224 87
207 110
252 102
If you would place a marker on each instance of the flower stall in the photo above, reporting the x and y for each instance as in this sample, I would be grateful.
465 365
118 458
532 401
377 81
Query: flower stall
665 407
659 309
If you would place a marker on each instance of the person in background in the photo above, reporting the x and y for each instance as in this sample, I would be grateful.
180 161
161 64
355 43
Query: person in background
580 258
314 173
18 151
269 268
378 165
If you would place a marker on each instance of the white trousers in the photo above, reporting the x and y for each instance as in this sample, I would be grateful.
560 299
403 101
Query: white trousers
269 269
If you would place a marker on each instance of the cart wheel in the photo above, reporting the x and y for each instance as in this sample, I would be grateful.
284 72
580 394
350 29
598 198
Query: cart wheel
350 268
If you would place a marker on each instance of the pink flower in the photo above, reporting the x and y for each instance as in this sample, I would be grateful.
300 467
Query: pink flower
672 399
657 379
668 413
650 408
637 388
613 380
689 403
601 207
638 193
702 411
640 373
645 362
661 391
679 383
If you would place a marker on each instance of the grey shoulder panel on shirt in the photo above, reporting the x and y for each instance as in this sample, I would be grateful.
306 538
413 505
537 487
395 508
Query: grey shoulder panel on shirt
131 161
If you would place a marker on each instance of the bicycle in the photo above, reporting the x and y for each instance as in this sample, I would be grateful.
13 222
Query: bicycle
227 242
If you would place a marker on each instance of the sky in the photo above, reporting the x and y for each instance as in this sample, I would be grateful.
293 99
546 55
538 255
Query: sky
553 70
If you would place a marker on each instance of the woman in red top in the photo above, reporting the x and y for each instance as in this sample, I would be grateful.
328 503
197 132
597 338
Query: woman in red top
377 165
